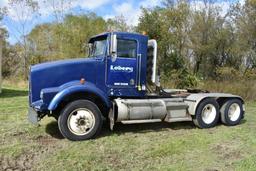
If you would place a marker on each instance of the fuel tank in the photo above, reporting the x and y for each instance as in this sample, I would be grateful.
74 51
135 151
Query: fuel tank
150 109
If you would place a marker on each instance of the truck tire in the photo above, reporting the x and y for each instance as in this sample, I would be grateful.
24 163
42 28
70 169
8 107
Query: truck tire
207 113
80 120
232 112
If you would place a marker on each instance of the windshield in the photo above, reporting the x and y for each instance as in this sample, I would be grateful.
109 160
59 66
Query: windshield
98 47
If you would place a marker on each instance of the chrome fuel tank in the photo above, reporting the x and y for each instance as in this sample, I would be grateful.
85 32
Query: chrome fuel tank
139 109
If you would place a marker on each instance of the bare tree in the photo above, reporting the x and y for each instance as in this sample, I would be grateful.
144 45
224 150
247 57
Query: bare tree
2 13
118 23
22 12
1 47
59 8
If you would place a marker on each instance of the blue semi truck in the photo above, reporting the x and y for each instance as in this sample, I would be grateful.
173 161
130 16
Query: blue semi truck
119 82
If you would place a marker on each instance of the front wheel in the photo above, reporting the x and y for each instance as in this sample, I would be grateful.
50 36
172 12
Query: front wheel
207 113
80 120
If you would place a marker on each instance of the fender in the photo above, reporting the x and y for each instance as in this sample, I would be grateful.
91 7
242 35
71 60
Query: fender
194 100
87 87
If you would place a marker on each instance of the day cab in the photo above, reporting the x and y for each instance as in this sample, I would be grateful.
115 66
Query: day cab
119 82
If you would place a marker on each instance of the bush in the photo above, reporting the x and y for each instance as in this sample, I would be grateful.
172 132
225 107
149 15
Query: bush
228 73
250 74
181 79
244 88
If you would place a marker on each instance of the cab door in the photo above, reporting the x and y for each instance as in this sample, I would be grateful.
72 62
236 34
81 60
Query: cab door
122 70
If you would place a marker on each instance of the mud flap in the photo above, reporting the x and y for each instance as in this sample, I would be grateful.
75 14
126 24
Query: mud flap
33 116
111 117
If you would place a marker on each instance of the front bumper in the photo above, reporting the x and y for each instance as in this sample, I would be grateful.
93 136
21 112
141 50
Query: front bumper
36 112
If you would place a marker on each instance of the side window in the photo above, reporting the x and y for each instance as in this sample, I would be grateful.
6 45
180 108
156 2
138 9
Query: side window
126 48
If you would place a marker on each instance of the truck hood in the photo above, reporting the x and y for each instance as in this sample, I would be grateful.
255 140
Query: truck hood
54 74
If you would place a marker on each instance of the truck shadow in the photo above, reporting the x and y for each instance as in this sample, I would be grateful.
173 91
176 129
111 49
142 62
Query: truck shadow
53 130
119 129
13 93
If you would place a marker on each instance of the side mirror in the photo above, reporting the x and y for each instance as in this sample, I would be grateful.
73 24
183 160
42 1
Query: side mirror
113 46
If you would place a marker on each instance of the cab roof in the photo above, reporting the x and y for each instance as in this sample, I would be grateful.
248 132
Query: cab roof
119 33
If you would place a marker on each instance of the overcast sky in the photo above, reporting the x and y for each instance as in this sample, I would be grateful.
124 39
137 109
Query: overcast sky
130 9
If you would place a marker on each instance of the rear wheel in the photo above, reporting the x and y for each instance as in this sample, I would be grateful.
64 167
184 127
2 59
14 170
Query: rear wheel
207 114
232 112
80 120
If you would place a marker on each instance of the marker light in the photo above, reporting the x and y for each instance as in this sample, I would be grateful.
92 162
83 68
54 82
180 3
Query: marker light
144 33
82 81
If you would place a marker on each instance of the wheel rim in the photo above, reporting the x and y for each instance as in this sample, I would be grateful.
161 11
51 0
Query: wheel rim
209 113
81 121
234 112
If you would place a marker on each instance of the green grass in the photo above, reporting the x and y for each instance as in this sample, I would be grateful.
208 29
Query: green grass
160 146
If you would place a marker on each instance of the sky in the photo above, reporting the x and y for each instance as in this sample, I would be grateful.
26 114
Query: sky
130 9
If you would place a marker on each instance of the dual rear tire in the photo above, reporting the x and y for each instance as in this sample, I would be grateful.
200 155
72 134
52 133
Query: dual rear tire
209 113
232 112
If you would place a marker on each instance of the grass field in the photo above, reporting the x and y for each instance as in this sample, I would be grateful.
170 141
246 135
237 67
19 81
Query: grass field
161 146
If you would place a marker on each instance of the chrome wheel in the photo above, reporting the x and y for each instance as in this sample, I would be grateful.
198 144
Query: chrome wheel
81 121
209 113
234 112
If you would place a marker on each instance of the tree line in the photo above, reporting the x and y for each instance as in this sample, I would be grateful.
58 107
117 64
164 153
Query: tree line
197 40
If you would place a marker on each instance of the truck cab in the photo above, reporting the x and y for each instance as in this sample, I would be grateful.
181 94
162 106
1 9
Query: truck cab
119 82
